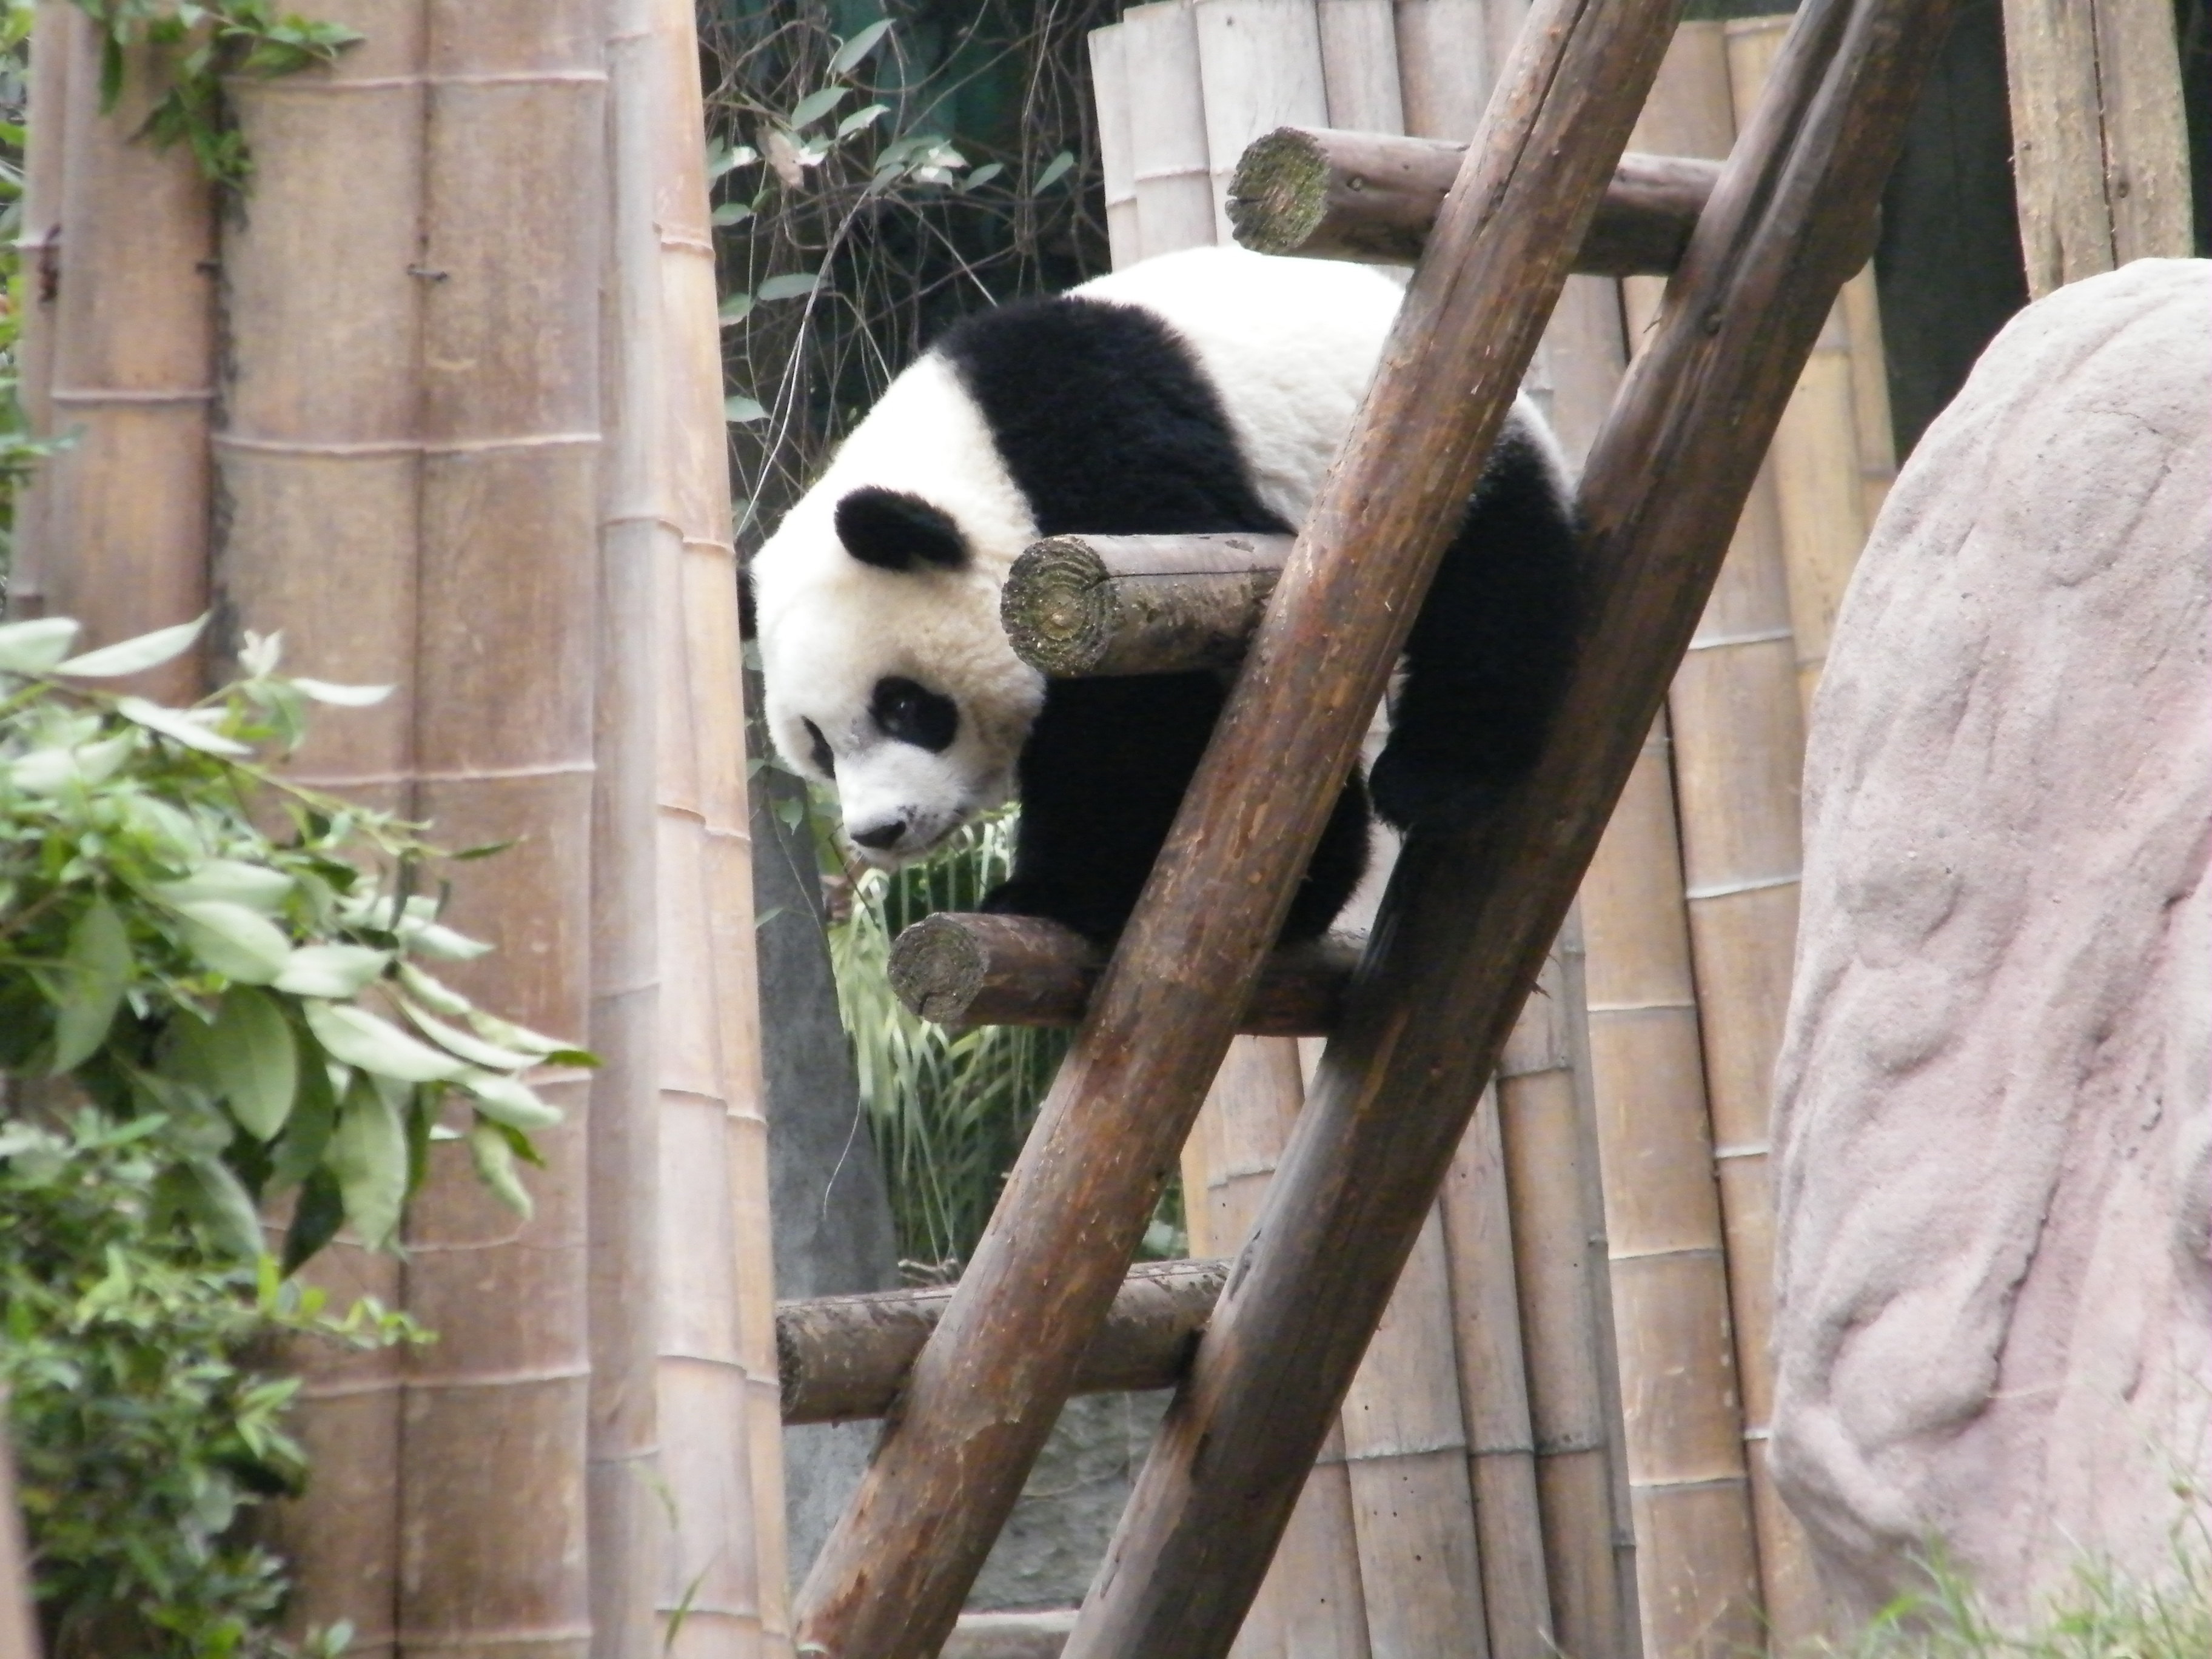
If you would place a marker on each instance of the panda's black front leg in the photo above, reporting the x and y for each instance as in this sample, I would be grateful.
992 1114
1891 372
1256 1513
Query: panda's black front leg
1489 655
1103 775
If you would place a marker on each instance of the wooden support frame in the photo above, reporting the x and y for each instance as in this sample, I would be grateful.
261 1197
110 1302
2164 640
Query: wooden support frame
1465 923
847 1356
1373 196
891 1575
959 968
1079 606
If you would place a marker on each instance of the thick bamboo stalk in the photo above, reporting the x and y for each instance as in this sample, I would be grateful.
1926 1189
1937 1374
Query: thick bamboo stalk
492 1458
2101 149
1359 65
19 1629
723 1589
1313 1603
1698 1581
130 371
1170 168
1076 607
320 458
38 246
1446 65
1260 68
1877 435
1493 1377
1117 165
957 969
638 538
1331 195
846 1356
1789 220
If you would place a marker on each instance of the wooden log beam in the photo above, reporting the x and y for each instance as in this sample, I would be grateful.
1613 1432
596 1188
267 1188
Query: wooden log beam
890 1579
1468 916
1373 196
847 1357
1080 606
962 969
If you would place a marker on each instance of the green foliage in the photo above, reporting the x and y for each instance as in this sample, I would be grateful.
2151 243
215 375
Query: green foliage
949 1109
2103 1614
141 1434
186 936
19 451
200 43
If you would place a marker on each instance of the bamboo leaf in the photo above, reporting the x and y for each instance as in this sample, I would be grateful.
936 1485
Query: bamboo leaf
437 997
97 968
359 1038
441 944
234 941
135 656
735 309
854 52
789 286
336 971
859 118
228 881
253 1060
316 1219
188 727
35 646
505 1100
369 1154
224 1207
342 696
815 104
495 1161
469 1048
739 410
1054 170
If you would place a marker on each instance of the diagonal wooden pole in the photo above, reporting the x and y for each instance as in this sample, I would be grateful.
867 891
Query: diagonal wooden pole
1468 919
986 1390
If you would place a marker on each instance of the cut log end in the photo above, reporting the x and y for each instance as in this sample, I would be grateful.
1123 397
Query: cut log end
1280 194
1056 608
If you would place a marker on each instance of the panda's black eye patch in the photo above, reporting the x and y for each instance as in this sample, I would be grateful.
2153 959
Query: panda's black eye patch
893 530
823 760
908 713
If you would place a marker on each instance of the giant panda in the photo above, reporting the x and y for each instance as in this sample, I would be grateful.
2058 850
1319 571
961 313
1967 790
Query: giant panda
1204 391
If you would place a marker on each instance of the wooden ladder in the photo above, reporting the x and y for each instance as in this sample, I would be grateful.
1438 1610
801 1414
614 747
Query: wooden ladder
1418 1026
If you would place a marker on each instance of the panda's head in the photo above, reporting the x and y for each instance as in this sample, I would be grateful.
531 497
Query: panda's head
889 677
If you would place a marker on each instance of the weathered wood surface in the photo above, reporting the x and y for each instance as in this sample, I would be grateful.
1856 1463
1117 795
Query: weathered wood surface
846 1356
958 968
891 1577
1074 606
1373 196
1468 917
2100 146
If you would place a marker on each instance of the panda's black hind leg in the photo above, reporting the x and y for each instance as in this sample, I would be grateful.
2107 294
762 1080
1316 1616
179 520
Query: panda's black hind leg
1488 656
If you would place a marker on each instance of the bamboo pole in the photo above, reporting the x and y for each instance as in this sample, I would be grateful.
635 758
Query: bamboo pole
1259 68
1501 1437
19 1628
2100 148
1789 220
638 538
1359 65
724 1586
319 456
493 1449
1313 1603
1109 92
38 246
1698 1577
1332 195
131 371
958 969
1168 166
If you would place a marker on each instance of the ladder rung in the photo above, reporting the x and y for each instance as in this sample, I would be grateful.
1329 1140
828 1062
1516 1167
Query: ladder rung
847 1356
1082 607
958 968
1373 196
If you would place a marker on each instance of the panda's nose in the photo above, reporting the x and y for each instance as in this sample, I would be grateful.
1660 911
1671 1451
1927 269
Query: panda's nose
880 838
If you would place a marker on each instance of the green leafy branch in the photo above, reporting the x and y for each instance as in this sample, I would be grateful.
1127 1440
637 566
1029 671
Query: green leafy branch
264 995
202 42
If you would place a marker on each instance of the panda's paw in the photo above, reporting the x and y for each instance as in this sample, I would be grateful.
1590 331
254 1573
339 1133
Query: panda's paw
1016 898
1419 793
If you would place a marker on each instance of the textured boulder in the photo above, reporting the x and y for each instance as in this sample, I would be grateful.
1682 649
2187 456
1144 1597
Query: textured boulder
1993 1140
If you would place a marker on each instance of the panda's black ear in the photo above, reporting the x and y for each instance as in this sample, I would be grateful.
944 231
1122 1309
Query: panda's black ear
896 532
